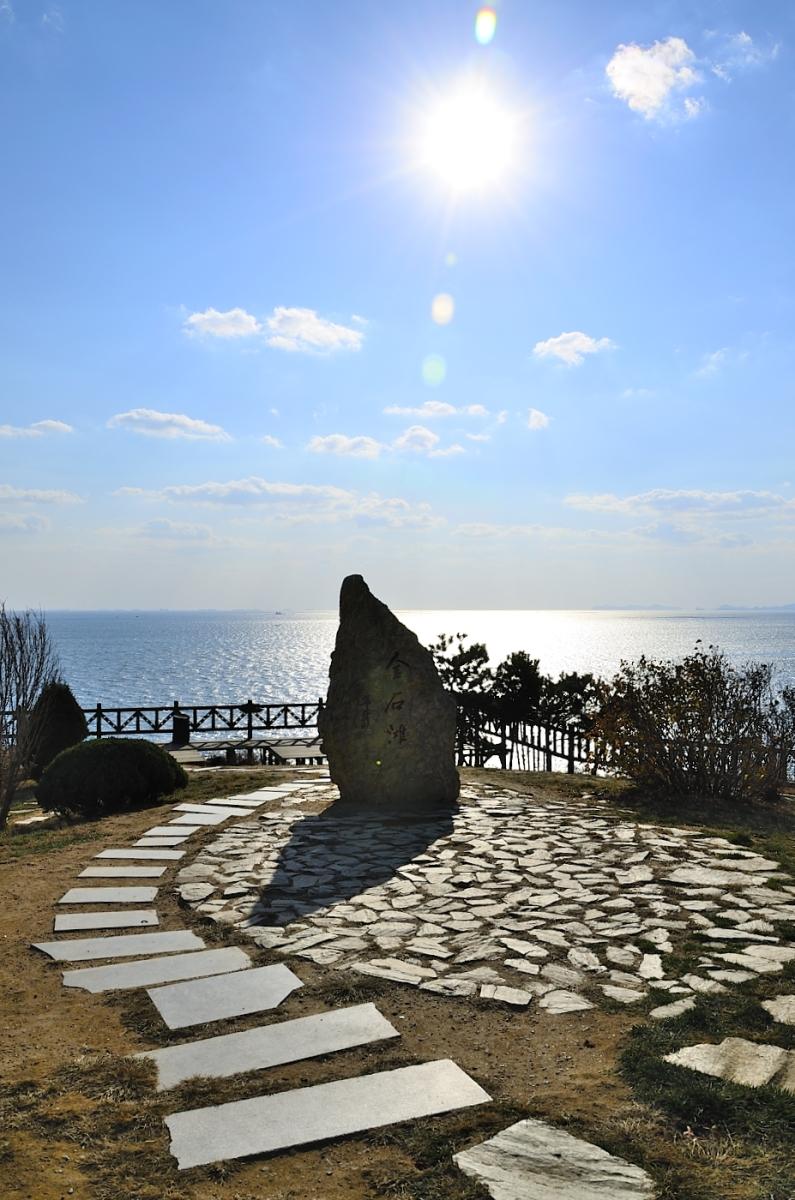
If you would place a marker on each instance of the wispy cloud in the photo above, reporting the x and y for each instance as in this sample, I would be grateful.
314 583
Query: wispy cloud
37 429
234 323
418 439
22 523
293 503
350 447
738 52
150 423
7 11
161 529
571 348
303 330
432 409
37 495
52 19
268 439
537 420
478 437
684 500
717 360
648 78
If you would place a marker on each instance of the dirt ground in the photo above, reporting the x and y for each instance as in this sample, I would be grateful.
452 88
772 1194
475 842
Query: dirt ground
79 1120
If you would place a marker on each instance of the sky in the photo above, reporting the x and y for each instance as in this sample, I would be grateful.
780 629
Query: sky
496 309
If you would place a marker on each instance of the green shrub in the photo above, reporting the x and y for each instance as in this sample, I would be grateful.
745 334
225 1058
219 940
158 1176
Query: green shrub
56 723
106 776
700 727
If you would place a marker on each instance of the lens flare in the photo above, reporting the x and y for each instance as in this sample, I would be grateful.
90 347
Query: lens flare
442 308
485 26
434 369
468 138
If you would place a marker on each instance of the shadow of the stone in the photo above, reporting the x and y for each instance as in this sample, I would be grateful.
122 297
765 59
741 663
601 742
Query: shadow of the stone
335 855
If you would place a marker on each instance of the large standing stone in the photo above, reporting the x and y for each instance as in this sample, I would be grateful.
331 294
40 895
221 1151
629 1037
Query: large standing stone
388 726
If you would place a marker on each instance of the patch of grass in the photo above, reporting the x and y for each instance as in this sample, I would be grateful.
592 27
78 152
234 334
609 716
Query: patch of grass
349 988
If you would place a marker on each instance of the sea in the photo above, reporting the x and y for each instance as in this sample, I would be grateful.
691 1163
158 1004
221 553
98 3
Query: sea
147 658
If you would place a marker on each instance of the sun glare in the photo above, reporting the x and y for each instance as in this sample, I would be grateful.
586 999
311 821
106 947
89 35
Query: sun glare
468 139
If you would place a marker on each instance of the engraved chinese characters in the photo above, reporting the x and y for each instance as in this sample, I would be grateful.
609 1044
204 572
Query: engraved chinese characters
388 726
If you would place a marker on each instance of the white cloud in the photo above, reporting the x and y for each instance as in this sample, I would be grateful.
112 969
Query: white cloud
268 439
11 523
52 19
6 11
417 439
292 503
685 500
478 437
537 419
150 423
234 323
37 429
647 77
161 529
37 495
712 363
502 416
340 443
428 410
475 410
447 451
302 329
739 52
636 393
571 348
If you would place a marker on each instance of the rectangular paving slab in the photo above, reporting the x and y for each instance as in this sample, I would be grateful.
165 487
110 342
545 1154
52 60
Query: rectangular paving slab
170 855
209 817
165 969
270 1045
312 1114
236 802
200 809
109 895
127 872
169 831
124 946
224 996
71 922
157 843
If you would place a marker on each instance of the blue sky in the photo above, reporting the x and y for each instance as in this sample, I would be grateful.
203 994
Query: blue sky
255 334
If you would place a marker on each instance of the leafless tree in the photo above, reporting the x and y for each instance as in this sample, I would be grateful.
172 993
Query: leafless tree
27 662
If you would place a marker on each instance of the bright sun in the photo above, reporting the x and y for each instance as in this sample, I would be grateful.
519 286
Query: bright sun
468 139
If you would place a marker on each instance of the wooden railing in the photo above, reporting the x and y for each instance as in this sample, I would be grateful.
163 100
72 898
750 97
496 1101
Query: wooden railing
525 745
247 720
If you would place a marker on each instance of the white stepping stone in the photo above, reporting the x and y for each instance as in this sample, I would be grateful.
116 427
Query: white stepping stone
313 1114
166 969
224 996
201 810
157 843
559 1001
237 802
270 1045
122 873
782 1009
109 895
201 818
71 922
124 946
170 855
734 1059
532 1159
170 831
666 1011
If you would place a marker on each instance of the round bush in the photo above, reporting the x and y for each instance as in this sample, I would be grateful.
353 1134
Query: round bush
56 722
107 776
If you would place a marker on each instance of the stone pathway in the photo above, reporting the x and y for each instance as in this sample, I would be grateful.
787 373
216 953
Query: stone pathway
218 984
514 901
509 900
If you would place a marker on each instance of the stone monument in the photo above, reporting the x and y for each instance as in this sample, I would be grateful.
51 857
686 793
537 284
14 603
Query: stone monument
388 725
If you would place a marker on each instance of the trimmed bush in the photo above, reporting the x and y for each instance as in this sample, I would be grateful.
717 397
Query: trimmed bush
56 723
108 776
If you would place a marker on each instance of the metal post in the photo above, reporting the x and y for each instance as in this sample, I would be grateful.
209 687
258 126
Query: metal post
99 720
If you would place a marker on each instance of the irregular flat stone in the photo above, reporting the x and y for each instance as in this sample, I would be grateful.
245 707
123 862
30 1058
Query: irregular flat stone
622 994
195 891
707 986
394 969
665 1011
133 918
732 976
782 1009
158 970
123 946
559 1001
450 985
122 873
534 1161
707 877
328 1110
650 967
109 895
518 997
220 997
145 854
270 1045
734 1059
